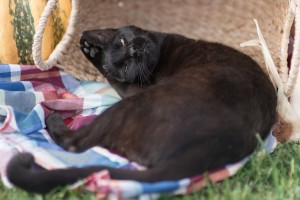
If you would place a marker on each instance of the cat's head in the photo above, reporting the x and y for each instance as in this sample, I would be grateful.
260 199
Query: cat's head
129 54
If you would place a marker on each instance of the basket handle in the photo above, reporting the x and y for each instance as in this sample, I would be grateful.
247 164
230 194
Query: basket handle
295 62
38 38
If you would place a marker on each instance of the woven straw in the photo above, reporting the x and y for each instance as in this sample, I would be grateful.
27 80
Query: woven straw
229 22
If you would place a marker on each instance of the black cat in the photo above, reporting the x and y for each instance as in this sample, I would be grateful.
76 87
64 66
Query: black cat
189 106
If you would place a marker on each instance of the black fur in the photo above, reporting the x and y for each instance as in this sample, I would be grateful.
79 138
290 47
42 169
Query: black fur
189 106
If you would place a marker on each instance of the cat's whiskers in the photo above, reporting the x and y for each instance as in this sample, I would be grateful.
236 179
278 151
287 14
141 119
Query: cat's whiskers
139 76
147 69
144 73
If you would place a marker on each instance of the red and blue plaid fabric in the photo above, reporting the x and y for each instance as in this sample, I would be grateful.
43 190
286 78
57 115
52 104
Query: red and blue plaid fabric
28 96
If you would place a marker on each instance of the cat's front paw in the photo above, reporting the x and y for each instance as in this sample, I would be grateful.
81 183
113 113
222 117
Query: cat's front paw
59 132
91 51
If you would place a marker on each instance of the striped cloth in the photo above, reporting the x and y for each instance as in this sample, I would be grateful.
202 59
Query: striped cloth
28 96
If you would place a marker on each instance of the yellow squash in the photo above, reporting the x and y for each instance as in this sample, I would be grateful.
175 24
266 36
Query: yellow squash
18 19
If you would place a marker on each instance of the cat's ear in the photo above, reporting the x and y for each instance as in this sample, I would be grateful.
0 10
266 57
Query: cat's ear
159 36
99 37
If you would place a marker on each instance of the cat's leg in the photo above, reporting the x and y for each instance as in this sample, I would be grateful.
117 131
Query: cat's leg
103 131
75 140
61 134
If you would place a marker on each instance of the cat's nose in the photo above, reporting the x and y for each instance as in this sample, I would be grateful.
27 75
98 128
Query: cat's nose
139 43
137 47
133 51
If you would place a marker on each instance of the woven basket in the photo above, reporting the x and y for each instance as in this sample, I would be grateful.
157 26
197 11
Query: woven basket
229 22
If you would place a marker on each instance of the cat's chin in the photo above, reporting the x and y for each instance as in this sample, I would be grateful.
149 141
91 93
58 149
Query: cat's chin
122 80
110 76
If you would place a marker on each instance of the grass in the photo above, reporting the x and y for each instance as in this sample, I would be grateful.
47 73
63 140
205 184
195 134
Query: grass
264 177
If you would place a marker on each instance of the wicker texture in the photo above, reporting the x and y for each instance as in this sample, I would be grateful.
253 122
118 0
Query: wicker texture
229 22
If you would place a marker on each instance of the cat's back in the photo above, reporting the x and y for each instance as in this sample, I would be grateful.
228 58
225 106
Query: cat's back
219 77
220 68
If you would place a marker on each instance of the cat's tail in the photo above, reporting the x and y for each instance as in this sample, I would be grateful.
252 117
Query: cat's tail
22 172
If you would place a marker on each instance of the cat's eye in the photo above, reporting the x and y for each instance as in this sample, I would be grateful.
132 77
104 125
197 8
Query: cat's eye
122 41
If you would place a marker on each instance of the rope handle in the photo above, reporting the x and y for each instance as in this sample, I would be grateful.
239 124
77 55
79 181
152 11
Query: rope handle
38 38
284 107
295 62
285 40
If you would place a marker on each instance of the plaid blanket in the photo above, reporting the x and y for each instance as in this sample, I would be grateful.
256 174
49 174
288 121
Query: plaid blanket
28 96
